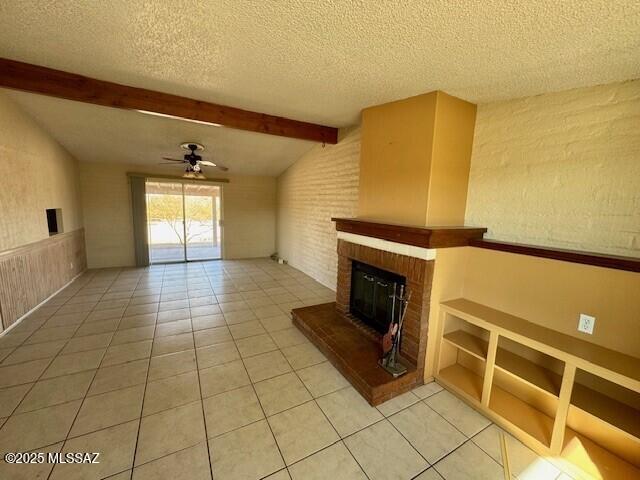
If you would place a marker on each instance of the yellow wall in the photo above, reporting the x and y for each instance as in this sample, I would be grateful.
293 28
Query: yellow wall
550 293
36 173
414 164
320 185
395 161
560 169
249 209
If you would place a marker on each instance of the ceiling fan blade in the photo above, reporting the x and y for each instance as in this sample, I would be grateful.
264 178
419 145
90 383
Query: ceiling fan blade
173 159
207 163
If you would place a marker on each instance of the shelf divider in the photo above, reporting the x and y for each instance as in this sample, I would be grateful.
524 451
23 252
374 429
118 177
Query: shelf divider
557 437
489 366
471 344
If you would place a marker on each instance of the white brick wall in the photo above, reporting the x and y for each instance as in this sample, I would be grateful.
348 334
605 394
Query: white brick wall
321 185
560 169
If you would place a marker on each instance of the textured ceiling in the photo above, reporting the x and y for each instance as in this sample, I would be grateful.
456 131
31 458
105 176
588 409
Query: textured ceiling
323 61
100 134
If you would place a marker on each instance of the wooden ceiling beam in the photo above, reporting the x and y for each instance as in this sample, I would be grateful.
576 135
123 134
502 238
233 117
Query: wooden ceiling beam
56 83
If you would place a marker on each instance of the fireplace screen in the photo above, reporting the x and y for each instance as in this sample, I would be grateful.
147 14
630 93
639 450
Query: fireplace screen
372 292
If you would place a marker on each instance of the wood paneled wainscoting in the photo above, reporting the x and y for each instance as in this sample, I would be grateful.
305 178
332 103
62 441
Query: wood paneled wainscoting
31 273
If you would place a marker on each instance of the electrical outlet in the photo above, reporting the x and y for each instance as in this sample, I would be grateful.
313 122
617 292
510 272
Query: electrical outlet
586 323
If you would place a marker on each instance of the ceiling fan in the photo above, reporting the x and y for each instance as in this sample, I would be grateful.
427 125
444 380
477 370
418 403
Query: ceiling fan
193 161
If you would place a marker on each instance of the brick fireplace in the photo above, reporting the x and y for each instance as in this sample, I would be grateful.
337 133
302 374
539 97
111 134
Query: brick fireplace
353 347
418 273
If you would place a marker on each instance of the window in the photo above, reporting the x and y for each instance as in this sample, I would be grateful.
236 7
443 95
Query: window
54 220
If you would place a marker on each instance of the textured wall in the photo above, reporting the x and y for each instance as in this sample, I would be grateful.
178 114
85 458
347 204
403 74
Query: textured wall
321 185
249 205
561 169
36 173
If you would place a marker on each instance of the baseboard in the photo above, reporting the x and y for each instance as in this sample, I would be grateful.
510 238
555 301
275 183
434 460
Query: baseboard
17 322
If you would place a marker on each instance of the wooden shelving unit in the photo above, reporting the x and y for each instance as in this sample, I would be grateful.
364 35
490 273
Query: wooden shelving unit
492 360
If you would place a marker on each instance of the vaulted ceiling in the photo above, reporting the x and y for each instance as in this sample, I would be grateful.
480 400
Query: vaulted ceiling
317 61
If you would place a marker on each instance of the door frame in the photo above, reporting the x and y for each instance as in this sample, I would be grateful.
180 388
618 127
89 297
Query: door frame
183 182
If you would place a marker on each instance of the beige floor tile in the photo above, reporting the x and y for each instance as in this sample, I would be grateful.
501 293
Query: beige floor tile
116 446
348 411
239 316
334 462
29 471
141 308
137 321
426 390
94 328
458 413
181 303
54 391
189 464
197 311
104 315
249 453
173 315
217 354
303 355
86 343
222 378
383 453
268 311
256 345
524 462
212 336
172 364
301 431
27 431
229 297
127 352
169 431
65 320
119 376
27 353
279 475
398 403
144 299
430 474
74 362
126 475
231 410
11 397
288 337
277 322
51 334
173 328
207 299
171 392
266 365
130 335
322 379
427 431
246 329
13 339
22 373
469 462
172 344
107 409
281 393
208 321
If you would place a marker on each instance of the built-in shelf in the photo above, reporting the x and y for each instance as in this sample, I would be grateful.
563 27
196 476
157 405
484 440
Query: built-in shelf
463 380
508 368
469 343
528 371
520 414
607 409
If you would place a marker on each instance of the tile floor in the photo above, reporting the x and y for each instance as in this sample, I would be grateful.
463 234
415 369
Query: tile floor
196 372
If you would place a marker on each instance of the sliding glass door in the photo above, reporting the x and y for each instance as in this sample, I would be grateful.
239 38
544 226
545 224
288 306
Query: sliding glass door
183 221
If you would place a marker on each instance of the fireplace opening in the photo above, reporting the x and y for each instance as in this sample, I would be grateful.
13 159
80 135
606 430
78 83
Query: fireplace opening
372 295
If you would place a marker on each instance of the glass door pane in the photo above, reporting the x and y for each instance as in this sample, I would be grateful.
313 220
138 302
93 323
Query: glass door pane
165 217
202 221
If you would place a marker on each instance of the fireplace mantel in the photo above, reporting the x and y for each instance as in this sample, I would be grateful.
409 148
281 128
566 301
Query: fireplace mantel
424 237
